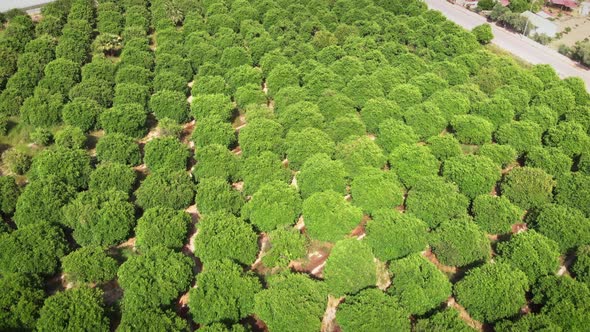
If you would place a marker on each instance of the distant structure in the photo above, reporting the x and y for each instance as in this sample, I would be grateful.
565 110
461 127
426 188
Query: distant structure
540 25
570 4
584 8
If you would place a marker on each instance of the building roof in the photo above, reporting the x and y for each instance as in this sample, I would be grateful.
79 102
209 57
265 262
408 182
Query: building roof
566 3
538 21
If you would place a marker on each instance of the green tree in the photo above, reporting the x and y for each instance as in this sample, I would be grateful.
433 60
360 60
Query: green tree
174 190
249 94
435 200
345 126
558 98
406 95
413 162
170 104
280 76
154 278
208 85
95 89
75 309
393 133
129 119
115 176
300 115
502 155
372 310
275 204
376 189
483 33
320 173
162 226
279 305
377 110
581 266
532 253
165 154
212 105
223 293
571 137
82 113
475 175
358 152
550 159
521 135
495 214
21 299
349 268
265 168
9 192
151 318
483 291
42 200
71 166
530 322
444 147
70 137
33 249
328 217
216 194
131 93
118 148
286 244
222 235
212 130
472 129
528 187
43 109
261 135
89 264
446 320
418 284
303 144
100 218
362 88
565 301
17 162
573 191
565 225
216 161
460 242
388 227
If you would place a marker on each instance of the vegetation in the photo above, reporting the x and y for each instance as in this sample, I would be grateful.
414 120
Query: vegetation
300 166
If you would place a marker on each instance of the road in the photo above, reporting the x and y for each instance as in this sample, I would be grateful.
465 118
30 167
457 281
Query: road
6 5
521 46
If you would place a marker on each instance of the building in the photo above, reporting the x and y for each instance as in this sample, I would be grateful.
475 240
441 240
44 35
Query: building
570 4
539 25
584 8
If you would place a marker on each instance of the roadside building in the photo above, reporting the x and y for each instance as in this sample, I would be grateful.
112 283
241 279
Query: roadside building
569 4
539 25
584 8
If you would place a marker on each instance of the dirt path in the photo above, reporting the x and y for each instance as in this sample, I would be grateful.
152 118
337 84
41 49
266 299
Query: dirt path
464 315
432 258
329 319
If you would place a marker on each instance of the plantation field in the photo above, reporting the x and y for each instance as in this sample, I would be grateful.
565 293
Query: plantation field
277 165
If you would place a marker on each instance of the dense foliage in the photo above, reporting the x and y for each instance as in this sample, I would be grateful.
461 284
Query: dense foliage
350 162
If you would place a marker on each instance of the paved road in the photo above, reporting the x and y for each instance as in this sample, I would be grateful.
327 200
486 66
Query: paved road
516 44
10 4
